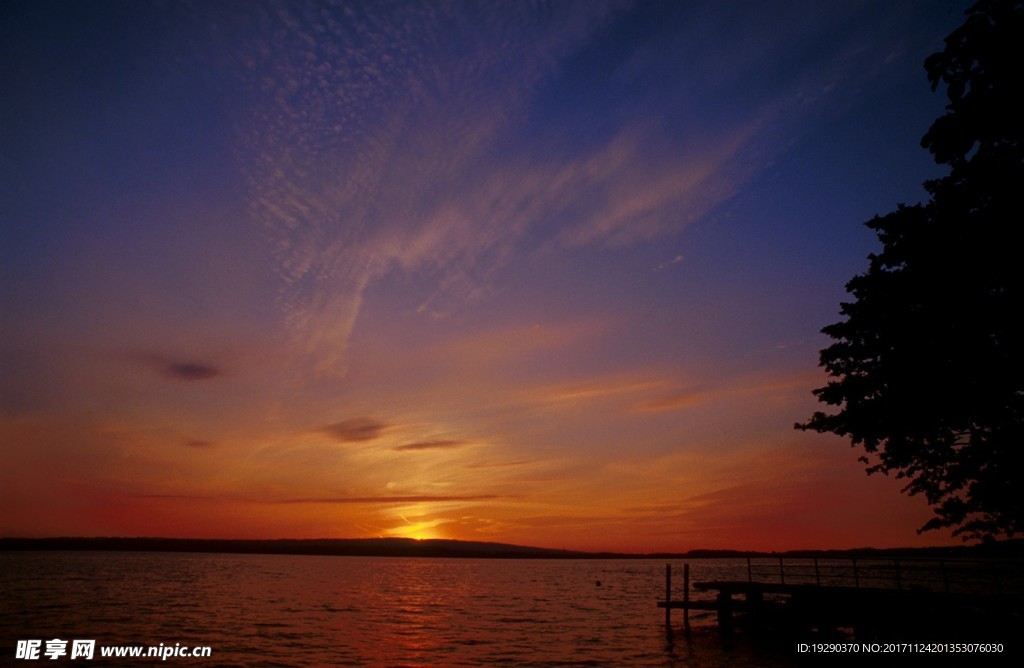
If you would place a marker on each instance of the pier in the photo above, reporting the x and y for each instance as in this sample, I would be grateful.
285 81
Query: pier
865 598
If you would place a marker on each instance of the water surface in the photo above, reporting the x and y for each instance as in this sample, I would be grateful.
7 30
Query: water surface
277 610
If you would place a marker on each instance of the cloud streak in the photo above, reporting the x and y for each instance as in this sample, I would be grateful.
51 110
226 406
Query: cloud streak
430 445
389 500
191 371
180 369
355 430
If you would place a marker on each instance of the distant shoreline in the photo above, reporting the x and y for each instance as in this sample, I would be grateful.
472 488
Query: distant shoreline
440 548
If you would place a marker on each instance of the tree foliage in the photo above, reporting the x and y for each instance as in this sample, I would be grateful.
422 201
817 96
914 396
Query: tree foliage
927 368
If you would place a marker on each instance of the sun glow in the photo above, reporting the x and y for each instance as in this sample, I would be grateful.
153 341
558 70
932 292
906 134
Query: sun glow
417 530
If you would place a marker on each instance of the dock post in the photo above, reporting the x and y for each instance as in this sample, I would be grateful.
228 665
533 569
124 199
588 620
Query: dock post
686 598
724 604
668 597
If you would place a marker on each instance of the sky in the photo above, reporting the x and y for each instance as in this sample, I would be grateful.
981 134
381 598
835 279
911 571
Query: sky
546 273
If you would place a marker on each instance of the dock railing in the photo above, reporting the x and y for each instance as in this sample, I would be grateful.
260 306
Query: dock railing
845 584
988 576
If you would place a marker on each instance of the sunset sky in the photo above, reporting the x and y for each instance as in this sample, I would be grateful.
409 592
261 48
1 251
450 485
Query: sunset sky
548 273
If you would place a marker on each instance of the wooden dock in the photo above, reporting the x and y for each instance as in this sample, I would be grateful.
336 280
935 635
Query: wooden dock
856 603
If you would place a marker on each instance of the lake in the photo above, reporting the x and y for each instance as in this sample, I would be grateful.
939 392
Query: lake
271 610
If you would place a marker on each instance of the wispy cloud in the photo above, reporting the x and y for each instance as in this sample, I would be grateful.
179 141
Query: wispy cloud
349 146
355 430
501 465
664 265
677 401
769 386
599 388
179 369
367 164
430 445
511 344
637 192
385 500
191 371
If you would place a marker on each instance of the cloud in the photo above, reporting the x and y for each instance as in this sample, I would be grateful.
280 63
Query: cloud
677 401
346 146
429 445
502 465
355 430
179 369
197 443
629 191
676 260
769 386
395 499
510 344
436 154
191 371
380 157
598 388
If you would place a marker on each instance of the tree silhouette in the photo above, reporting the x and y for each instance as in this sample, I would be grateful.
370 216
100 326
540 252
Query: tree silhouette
927 368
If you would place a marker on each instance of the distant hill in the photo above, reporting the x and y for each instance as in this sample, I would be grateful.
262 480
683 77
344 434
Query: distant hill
366 547
408 547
